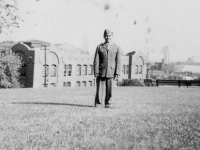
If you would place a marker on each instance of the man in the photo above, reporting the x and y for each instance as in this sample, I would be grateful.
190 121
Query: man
107 66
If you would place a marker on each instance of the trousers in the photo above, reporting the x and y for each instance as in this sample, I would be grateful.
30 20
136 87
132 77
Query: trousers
103 90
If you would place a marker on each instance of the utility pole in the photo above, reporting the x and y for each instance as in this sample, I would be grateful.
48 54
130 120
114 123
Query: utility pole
45 66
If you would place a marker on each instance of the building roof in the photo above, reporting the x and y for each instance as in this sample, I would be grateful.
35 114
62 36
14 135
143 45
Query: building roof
130 53
179 73
6 45
188 63
67 48
156 72
36 42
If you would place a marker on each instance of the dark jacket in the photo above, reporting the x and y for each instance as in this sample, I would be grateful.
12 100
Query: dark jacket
107 63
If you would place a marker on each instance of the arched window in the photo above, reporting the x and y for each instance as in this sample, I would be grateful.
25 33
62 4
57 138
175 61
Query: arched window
68 70
22 70
123 69
84 83
47 70
78 70
52 85
140 61
22 57
78 84
89 83
127 69
53 71
140 70
139 65
90 69
136 69
84 70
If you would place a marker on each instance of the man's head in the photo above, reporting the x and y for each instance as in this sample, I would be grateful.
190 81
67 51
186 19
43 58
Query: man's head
108 36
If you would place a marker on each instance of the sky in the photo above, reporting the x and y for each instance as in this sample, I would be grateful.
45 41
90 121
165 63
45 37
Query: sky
138 25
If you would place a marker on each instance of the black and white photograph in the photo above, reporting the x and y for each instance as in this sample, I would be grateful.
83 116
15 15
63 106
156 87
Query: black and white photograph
99 75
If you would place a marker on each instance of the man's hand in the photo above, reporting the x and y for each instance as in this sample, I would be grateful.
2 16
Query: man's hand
116 76
96 75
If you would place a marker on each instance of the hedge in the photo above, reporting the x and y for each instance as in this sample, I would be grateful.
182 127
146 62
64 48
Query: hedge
131 82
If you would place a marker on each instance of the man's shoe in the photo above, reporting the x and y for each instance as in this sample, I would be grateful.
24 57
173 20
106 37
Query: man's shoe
108 106
98 105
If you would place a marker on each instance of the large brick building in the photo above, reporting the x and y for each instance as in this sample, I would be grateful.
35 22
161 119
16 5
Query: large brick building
67 65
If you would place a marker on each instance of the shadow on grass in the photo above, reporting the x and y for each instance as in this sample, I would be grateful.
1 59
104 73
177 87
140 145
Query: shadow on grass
48 103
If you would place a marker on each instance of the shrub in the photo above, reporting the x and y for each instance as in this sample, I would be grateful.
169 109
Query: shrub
9 66
131 82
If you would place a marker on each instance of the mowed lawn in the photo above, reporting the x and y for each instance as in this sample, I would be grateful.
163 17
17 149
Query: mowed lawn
65 118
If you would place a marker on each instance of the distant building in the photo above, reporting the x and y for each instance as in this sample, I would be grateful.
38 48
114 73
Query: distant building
163 56
155 57
166 52
155 69
184 75
67 66
6 46
193 67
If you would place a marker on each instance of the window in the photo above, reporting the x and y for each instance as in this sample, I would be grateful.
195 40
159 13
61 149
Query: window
139 66
66 84
136 69
140 70
90 70
78 70
89 83
123 69
84 70
127 69
68 70
52 85
53 71
84 83
22 70
47 70
78 84
140 60
23 65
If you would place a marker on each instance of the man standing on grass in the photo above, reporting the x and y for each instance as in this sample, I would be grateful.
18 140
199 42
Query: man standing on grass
107 66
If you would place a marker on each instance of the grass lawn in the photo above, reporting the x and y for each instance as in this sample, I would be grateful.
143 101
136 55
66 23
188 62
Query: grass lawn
64 118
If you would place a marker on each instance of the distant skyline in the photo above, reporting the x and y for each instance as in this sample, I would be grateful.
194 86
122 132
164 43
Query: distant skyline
145 25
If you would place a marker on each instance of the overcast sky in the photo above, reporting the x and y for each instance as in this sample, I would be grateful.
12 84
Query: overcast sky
145 25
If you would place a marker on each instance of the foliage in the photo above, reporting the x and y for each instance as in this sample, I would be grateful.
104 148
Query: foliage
9 66
131 82
164 118
8 14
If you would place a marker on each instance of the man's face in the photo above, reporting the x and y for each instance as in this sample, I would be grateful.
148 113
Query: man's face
108 37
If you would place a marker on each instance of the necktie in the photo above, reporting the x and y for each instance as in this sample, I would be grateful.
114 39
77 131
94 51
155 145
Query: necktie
107 46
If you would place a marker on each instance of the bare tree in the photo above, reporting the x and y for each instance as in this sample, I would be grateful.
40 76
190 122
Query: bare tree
9 62
8 14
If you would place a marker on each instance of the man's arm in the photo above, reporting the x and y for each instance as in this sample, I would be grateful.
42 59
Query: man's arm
96 62
118 63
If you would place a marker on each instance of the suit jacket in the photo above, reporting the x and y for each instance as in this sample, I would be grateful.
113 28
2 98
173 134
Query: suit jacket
107 62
